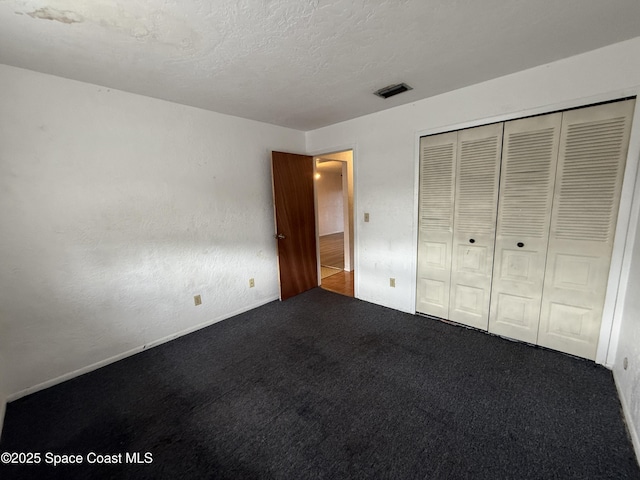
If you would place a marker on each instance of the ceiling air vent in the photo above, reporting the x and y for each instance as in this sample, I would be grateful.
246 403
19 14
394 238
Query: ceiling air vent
392 90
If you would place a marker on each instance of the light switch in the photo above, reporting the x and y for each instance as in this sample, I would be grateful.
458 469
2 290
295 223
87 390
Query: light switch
366 217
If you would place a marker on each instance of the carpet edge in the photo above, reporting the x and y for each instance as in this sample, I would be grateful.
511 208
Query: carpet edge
631 428
102 363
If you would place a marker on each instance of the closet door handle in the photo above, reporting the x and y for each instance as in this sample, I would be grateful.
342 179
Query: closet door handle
472 240
520 244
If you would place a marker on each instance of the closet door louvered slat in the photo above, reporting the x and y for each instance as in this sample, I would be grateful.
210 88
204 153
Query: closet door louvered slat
435 237
476 198
593 150
529 157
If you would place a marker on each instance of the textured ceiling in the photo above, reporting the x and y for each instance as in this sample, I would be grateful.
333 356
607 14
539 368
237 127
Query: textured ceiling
301 63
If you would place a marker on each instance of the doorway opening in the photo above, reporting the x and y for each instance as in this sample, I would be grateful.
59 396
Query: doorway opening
334 207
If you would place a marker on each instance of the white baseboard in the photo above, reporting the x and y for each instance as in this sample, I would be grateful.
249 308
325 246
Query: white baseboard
133 351
3 408
633 432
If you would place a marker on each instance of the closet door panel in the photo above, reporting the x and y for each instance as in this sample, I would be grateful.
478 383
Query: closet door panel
435 234
593 150
476 197
529 158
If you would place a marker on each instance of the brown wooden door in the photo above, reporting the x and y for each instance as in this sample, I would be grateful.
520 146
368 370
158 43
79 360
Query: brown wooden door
295 222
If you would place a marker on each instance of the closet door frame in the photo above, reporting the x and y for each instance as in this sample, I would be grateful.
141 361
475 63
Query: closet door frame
628 210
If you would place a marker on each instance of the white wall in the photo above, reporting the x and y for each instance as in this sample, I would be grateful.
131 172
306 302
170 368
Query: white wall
386 145
330 203
386 168
117 209
628 381
628 347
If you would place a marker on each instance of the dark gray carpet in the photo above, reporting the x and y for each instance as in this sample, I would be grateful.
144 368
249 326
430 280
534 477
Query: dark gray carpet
325 386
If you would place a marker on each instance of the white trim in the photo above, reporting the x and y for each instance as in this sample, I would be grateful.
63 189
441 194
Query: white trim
528 112
416 220
635 435
607 341
3 409
624 238
347 215
356 243
331 150
354 164
133 351
317 220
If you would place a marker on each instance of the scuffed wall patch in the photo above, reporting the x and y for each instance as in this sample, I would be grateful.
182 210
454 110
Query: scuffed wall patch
62 16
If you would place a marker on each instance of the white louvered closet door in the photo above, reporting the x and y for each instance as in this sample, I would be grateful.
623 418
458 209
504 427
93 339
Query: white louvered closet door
476 200
593 149
529 157
435 237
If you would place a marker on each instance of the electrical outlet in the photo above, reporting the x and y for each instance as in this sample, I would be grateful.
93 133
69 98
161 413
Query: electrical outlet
366 217
197 299
252 283
392 282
